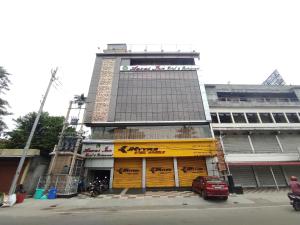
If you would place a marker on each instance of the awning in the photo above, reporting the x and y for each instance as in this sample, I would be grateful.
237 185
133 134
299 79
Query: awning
264 163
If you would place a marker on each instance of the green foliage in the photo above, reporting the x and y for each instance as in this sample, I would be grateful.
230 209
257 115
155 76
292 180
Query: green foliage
4 86
46 134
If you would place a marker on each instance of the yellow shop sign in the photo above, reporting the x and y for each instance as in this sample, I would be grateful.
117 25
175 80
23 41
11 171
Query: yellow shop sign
164 148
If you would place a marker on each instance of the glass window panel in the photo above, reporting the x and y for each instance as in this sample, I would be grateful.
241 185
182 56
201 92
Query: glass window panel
252 117
292 117
279 118
214 118
265 117
225 118
239 118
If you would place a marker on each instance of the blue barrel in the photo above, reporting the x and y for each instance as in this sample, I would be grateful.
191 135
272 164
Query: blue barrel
39 193
52 193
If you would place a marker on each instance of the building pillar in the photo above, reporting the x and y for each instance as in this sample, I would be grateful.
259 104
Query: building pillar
144 173
111 178
211 163
258 116
255 176
232 119
245 115
219 121
176 172
285 116
271 170
251 144
279 143
224 152
274 121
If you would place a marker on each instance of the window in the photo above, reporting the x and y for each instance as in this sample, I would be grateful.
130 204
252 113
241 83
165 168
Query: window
252 117
265 117
214 118
225 118
239 117
292 117
279 118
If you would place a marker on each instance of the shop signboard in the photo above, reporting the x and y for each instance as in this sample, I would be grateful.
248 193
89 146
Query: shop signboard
164 149
141 68
97 150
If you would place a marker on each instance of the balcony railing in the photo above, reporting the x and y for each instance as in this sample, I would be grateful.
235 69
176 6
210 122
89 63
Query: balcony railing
259 100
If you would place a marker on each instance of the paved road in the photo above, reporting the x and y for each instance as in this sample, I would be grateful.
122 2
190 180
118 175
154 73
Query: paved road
249 209
245 215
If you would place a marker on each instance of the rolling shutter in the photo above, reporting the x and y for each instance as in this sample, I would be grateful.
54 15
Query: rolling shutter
264 176
243 175
292 171
279 176
128 173
189 168
160 172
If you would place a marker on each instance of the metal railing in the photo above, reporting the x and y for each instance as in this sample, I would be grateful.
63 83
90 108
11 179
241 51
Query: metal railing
65 184
259 100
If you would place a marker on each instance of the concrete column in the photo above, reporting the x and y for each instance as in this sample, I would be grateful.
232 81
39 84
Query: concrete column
223 149
144 173
287 120
258 116
246 118
219 117
176 172
298 116
251 144
256 177
274 178
274 121
279 143
111 178
211 163
232 118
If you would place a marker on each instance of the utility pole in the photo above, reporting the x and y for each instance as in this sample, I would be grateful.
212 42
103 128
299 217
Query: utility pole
25 150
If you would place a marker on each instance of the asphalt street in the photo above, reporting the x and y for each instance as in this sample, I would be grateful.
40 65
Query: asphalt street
251 209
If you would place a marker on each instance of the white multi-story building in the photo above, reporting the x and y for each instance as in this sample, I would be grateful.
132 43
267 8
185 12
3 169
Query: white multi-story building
259 131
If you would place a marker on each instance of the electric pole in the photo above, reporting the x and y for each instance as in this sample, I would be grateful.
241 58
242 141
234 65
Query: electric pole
25 150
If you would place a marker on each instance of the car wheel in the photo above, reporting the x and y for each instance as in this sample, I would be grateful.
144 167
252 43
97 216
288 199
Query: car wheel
204 195
225 198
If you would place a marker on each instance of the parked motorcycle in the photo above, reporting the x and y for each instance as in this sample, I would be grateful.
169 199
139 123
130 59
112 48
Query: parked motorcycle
295 201
98 186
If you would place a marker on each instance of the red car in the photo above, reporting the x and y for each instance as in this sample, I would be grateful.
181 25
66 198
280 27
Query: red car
211 186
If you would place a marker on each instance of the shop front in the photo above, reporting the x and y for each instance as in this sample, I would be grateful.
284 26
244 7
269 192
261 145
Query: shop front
99 161
160 163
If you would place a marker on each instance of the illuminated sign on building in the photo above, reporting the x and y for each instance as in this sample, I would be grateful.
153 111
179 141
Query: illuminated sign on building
98 150
138 68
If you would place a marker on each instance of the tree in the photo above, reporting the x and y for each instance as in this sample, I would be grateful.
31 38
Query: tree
4 86
45 137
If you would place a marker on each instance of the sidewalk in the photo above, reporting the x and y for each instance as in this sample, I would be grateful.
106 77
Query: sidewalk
146 201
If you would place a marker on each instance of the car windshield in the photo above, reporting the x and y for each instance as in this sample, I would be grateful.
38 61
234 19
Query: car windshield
213 180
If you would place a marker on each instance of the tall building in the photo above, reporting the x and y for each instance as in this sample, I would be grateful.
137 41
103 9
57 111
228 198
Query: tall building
149 119
259 129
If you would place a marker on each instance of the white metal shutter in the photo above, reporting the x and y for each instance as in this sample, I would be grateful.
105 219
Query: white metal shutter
264 143
264 176
237 144
243 175
279 176
292 171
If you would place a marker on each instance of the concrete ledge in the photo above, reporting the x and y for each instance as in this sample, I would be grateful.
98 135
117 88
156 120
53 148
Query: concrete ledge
18 152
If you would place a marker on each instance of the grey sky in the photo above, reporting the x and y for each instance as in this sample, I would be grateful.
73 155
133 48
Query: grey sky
239 41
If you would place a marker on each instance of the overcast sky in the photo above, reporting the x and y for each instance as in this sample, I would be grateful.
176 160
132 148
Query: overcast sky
239 41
